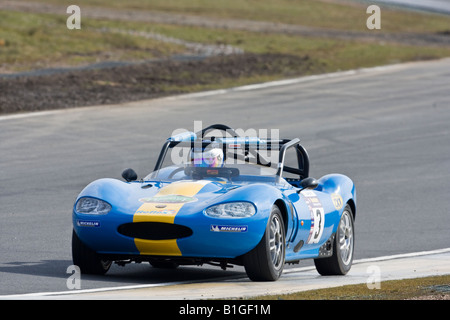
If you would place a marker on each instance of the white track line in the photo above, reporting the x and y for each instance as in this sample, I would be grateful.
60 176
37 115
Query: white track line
145 286
47 294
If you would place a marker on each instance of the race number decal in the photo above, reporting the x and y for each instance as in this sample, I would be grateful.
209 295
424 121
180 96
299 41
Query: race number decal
317 217
317 225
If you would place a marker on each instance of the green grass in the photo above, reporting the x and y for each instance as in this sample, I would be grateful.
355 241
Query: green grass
333 54
30 41
33 41
389 290
326 14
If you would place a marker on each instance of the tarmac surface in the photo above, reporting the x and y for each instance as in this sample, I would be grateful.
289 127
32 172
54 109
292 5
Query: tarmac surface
369 271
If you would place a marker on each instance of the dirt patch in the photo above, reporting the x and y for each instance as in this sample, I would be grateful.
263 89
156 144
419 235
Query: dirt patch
143 81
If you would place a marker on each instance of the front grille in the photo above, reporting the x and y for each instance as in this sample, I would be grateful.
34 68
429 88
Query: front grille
154 230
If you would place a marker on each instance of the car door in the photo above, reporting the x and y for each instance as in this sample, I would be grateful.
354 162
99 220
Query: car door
315 219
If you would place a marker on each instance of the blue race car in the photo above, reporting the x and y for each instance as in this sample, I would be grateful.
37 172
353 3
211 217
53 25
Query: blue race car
218 198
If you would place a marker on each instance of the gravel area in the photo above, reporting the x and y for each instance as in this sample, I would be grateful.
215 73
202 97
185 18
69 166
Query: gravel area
116 84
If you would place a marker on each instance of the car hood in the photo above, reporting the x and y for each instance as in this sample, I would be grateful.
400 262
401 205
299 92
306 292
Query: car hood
183 196
158 198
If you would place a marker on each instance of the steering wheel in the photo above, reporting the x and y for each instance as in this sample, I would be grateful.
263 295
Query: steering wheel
220 127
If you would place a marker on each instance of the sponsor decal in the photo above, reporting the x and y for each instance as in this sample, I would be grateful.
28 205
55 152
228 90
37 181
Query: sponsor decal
157 211
88 223
223 228
172 198
309 193
337 201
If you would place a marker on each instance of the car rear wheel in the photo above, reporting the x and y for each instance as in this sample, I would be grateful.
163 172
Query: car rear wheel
341 260
266 261
86 259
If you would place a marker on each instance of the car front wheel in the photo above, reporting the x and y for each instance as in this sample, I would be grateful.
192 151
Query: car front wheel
86 259
266 261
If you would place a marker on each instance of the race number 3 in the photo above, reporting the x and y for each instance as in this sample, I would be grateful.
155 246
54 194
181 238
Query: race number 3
319 223
317 216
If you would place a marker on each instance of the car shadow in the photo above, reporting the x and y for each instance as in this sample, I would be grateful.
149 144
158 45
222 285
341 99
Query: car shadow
134 273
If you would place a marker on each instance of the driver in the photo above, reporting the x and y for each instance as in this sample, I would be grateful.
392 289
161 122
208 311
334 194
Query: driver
212 158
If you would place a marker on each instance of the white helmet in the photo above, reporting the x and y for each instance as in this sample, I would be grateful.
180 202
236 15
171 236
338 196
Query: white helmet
212 158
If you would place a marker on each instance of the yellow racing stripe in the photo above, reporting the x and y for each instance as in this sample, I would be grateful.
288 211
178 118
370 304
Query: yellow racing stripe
160 211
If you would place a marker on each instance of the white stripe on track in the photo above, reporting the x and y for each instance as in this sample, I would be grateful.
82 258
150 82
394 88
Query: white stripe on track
37 295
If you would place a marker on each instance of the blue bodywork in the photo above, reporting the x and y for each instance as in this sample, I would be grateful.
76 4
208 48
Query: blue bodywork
311 217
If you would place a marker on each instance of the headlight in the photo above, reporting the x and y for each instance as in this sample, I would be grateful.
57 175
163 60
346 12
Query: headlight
231 210
92 206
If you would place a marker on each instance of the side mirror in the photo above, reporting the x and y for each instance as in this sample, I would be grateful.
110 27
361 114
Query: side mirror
129 175
308 183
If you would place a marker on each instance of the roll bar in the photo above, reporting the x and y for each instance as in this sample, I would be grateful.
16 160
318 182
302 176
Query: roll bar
196 140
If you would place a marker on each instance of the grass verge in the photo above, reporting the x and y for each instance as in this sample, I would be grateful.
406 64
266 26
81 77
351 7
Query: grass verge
333 14
33 41
429 288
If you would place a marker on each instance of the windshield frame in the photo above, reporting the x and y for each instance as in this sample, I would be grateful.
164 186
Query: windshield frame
281 145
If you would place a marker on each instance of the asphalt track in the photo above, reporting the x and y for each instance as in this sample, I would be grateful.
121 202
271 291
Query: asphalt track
387 128
371 272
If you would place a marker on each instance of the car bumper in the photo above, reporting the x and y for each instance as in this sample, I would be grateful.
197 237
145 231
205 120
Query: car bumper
193 235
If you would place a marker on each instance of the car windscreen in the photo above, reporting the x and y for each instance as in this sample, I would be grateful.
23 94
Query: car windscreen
225 161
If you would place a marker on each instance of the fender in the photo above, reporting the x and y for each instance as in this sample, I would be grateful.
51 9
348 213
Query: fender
261 195
120 194
342 185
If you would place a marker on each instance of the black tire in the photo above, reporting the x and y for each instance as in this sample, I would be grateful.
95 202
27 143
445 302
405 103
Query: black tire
266 261
86 259
343 248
